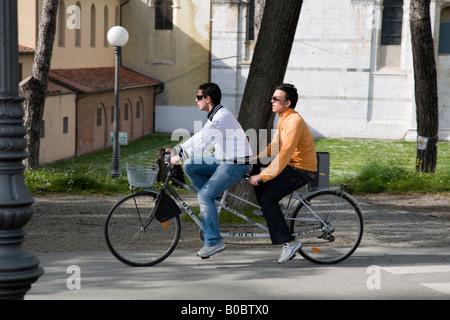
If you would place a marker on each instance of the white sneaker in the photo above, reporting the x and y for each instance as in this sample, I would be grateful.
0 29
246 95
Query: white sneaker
289 250
208 251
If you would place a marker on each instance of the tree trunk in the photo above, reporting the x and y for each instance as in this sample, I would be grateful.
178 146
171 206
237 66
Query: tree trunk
34 89
425 86
268 67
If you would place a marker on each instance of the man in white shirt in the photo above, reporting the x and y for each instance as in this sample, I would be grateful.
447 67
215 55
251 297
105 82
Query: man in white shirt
213 173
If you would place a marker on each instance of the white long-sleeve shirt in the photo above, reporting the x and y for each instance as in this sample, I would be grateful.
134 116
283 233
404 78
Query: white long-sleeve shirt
221 131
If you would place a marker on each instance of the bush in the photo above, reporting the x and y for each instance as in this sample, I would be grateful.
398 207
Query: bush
377 177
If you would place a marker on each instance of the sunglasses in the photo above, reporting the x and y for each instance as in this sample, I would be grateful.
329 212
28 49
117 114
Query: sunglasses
276 99
199 98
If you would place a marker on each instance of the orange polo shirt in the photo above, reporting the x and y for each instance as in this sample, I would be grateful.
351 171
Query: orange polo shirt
293 144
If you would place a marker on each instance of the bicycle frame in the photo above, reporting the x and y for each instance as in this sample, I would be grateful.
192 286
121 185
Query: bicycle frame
222 205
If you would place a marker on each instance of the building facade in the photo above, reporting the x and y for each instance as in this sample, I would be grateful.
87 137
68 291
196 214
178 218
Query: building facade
79 107
170 40
351 60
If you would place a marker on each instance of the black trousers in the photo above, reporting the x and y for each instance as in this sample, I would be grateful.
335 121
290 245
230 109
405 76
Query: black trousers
269 195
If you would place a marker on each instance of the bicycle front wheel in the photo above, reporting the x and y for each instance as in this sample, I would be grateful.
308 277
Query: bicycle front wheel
137 238
333 232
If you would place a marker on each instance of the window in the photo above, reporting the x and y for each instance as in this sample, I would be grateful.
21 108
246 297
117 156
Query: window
65 125
251 21
444 32
164 14
78 30
62 24
99 117
138 109
391 29
125 112
93 27
105 27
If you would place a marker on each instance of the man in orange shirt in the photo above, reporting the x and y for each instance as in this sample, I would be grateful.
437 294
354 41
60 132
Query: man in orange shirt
294 165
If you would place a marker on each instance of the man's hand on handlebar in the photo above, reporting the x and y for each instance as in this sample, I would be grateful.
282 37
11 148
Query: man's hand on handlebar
175 159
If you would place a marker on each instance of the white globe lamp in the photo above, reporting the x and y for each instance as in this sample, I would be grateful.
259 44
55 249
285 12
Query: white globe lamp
117 36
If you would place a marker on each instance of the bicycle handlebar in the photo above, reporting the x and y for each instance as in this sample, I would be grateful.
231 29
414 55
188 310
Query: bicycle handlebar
167 157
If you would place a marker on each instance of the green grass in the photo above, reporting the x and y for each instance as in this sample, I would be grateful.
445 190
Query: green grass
373 166
366 166
91 173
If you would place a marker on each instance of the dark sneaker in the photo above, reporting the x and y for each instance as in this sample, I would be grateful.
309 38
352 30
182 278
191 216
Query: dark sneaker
208 251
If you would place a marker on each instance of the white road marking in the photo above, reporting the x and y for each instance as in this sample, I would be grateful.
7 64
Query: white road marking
440 287
417 269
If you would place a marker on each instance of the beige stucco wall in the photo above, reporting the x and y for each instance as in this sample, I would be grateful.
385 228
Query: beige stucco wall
55 145
27 15
84 135
27 65
66 54
178 57
92 137
86 55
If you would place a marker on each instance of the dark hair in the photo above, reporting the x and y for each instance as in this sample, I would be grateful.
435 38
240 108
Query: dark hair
213 91
291 93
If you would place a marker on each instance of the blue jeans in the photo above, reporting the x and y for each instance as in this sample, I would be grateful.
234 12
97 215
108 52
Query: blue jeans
212 177
269 195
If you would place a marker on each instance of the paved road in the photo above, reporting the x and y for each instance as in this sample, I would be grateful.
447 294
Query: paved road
372 273
404 255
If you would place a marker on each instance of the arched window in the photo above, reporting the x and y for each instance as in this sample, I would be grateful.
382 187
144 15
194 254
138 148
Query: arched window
105 26
164 14
444 32
78 30
62 24
93 25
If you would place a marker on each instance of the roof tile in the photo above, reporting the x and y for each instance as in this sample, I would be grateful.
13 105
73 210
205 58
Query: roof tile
91 80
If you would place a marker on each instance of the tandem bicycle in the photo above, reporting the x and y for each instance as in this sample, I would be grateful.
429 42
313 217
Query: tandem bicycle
143 228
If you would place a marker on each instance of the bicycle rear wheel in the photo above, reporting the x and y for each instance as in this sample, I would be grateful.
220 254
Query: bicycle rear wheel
341 234
131 240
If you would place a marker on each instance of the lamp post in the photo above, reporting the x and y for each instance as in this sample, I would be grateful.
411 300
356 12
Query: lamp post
18 269
118 37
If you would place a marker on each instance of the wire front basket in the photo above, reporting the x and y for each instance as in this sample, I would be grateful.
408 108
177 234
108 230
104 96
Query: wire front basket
142 175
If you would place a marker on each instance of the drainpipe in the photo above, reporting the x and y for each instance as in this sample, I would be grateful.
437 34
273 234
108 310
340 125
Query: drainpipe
120 13
210 39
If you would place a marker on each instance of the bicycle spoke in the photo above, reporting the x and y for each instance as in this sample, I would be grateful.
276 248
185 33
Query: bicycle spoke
137 243
335 231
